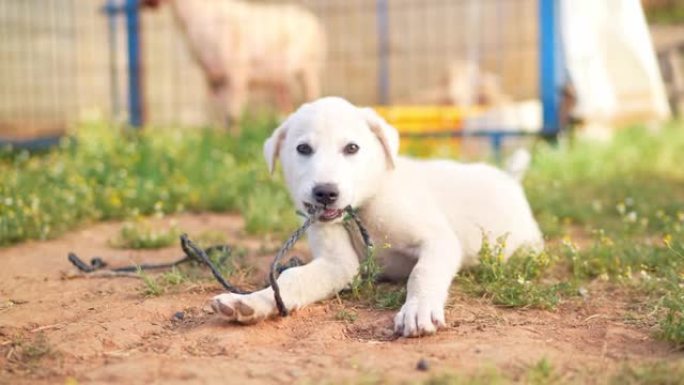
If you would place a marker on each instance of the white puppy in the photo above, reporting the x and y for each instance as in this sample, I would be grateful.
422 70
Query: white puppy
431 213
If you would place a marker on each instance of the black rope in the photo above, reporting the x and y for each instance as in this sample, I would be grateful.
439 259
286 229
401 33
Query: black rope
272 276
97 263
194 253
368 242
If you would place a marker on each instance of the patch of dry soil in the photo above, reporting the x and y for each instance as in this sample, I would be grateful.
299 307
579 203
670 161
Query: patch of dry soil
105 331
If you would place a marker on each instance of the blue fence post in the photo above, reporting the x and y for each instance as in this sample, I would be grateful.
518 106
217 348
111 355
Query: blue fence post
551 65
496 141
135 88
382 10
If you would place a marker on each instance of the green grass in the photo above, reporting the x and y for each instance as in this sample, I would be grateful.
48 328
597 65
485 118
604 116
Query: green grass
103 173
620 186
513 283
665 12
626 199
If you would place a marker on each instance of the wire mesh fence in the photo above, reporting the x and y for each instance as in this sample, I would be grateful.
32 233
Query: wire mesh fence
65 60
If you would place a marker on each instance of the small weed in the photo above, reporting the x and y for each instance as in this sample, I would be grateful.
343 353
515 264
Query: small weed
542 373
151 288
174 277
364 283
141 235
229 263
35 349
346 316
389 297
25 352
364 286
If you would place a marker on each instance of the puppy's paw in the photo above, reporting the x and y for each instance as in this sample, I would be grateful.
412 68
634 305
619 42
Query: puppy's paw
418 318
243 308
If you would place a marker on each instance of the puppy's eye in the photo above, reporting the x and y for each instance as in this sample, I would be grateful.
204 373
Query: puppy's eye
304 149
351 149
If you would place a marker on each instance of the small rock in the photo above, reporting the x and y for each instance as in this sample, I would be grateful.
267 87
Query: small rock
583 292
423 365
179 316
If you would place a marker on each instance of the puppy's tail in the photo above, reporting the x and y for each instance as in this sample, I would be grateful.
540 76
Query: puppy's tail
518 164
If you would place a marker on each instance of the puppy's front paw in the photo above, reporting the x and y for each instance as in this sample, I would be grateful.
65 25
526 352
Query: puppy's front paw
417 318
243 308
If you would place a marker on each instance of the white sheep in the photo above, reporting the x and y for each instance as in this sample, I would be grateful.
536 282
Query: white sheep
238 44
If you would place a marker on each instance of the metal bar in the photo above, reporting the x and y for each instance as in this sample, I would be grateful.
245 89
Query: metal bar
496 141
111 9
136 113
551 65
41 143
383 51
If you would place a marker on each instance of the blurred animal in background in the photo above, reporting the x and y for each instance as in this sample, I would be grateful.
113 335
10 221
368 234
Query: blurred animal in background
489 107
464 83
239 45
469 85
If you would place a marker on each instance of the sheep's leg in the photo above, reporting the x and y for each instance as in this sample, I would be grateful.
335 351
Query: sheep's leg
219 90
284 98
311 83
237 98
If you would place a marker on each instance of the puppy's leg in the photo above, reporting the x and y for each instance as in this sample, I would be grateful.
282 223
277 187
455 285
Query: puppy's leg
334 266
428 287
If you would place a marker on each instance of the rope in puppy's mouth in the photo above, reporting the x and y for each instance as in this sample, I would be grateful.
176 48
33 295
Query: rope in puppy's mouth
197 254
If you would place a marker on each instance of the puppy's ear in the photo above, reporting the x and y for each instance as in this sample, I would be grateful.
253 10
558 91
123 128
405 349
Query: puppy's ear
387 135
272 145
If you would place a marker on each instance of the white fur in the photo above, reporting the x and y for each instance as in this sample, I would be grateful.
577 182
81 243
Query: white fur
426 216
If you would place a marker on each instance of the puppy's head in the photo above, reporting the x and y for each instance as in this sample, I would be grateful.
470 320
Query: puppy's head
333 154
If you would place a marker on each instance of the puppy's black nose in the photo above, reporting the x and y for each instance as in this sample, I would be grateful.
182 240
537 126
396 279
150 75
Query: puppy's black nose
326 193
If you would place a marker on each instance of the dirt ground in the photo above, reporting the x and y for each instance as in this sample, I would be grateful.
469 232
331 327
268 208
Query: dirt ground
55 328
